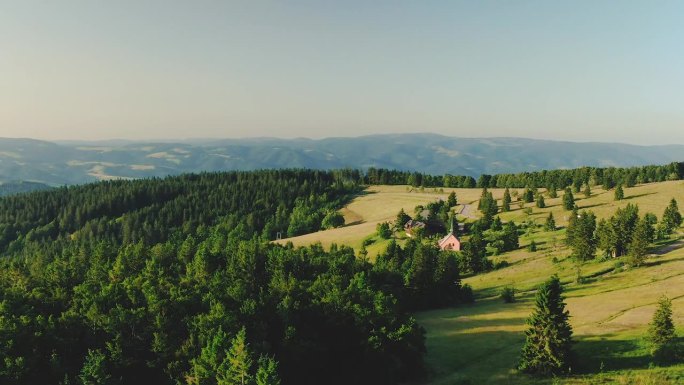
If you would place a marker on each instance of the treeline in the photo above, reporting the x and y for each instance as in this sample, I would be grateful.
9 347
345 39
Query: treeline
173 281
608 177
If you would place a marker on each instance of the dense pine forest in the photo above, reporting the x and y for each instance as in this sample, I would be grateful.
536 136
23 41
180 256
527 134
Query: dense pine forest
173 281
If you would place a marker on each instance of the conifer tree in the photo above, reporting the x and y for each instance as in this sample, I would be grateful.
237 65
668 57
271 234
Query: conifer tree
619 193
552 191
550 224
548 341
401 220
638 247
506 202
451 200
661 331
235 369
671 217
583 240
540 201
568 199
587 191
267 372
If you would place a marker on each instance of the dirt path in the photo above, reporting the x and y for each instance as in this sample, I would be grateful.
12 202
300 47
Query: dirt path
467 211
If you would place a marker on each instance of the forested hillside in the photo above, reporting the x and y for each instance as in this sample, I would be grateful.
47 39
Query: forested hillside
172 281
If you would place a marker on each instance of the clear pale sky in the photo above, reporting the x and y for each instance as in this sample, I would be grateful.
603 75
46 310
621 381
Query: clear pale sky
572 70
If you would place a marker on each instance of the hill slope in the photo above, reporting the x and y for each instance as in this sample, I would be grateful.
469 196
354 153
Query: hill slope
610 311
79 162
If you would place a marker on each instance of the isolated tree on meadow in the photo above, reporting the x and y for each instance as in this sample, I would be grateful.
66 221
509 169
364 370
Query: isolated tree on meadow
506 202
568 199
587 191
661 330
552 191
451 200
619 193
550 224
540 201
548 341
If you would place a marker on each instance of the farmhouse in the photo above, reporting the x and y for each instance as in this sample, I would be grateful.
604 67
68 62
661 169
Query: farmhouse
450 241
411 226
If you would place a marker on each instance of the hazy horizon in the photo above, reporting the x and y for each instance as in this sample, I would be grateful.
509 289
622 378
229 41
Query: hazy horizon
586 71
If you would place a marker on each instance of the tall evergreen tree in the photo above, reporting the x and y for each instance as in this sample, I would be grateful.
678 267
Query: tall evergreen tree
540 201
451 200
587 191
553 193
619 193
583 239
661 330
548 341
237 366
568 199
550 224
672 219
506 202
638 247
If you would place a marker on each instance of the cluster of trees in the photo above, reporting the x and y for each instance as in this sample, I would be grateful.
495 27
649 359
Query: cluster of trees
608 177
194 294
420 275
625 233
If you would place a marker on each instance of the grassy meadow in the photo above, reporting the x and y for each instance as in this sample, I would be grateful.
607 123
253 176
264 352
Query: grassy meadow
610 310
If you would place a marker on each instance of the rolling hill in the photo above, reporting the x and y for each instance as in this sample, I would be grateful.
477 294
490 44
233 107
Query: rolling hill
79 162
610 310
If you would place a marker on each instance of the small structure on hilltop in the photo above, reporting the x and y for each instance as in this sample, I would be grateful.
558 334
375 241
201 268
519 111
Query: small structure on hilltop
450 241
411 226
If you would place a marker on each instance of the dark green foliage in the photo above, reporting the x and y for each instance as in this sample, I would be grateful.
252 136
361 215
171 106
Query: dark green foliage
615 235
553 193
550 224
508 294
619 193
169 282
661 332
94 371
532 246
267 372
568 199
332 220
583 242
506 202
384 231
587 191
528 195
401 220
548 341
641 238
451 200
540 201
672 219
474 255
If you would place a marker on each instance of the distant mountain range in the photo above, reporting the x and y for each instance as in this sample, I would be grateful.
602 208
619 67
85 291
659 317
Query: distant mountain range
78 162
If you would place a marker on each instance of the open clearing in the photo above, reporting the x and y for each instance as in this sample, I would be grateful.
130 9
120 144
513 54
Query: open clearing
610 311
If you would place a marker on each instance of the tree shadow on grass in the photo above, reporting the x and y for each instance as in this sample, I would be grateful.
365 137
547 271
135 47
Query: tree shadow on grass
638 195
603 353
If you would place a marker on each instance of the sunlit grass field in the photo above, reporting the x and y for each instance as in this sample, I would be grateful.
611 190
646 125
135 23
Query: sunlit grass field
610 310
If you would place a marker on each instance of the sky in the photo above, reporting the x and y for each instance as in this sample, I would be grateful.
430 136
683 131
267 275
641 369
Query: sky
574 70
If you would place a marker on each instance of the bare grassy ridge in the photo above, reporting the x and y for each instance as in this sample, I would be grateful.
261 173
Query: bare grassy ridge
479 344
